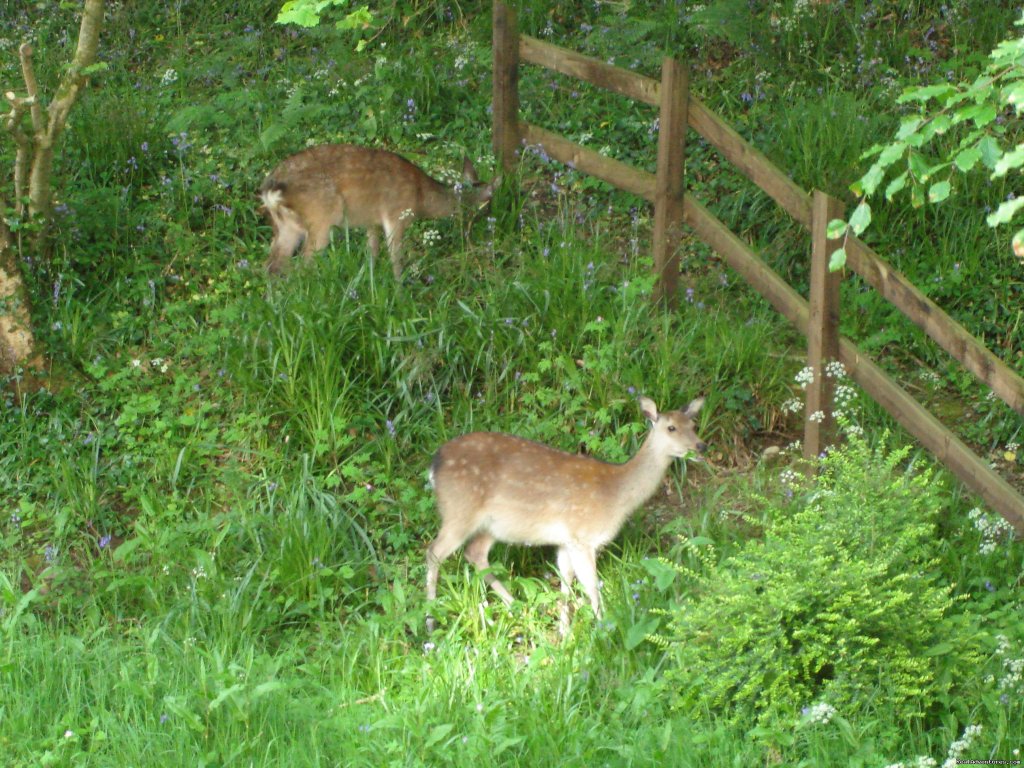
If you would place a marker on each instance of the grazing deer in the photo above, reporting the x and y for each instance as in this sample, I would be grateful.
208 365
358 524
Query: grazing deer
340 184
494 487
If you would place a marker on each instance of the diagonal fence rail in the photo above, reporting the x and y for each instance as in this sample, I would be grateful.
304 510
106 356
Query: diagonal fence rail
818 317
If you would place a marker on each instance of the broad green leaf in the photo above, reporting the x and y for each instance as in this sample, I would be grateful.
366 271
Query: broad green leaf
908 127
918 167
1013 95
939 191
837 260
639 632
916 196
437 733
861 217
925 93
895 186
1005 212
663 573
990 151
835 229
891 153
1018 244
1010 161
981 114
869 181
360 18
937 126
967 159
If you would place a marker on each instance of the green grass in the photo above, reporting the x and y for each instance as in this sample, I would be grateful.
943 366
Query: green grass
215 514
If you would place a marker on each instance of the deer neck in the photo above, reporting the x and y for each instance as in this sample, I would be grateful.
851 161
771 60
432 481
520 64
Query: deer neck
436 200
640 476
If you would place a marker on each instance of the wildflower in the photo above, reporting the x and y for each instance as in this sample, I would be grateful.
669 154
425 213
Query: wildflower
816 417
50 553
805 377
104 541
428 647
820 713
169 77
15 518
163 718
390 427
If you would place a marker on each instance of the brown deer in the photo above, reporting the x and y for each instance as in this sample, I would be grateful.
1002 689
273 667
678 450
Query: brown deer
344 185
494 487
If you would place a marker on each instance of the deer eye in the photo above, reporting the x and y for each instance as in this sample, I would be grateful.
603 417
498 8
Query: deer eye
671 427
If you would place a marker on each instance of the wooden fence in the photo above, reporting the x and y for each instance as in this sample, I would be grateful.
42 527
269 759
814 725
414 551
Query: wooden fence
818 317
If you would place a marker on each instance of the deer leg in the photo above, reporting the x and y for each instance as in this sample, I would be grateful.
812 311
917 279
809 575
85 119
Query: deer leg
393 231
566 573
318 238
447 541
287 236
476 553
585 564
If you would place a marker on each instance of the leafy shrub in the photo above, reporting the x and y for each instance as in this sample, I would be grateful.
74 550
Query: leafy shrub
840 604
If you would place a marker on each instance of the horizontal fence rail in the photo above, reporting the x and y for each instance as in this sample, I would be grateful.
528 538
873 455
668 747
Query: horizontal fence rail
817 319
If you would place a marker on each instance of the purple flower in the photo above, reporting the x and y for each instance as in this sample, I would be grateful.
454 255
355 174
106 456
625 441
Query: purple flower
104 541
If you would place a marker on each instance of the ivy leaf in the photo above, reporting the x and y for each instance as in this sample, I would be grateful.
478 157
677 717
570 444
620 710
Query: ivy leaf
861 217
1004 212
939 191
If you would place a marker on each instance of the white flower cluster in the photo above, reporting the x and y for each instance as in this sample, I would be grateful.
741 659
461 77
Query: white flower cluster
431 237
793 405
835 370
805 377
1013 680
960 746
169 78
789 477
816 417
820 713
991 528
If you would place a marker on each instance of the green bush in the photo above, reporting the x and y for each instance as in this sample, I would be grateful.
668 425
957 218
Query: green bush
839 608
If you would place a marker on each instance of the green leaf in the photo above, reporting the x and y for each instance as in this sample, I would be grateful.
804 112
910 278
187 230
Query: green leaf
95 69
937 126
981 114
918 167
861 217
437 733
967 159
908 127
1010 161
940 650
869 181
663 573
925 93
835 229
939 191
990 151
837 260
1006 211
896 185
1013 95
639 632
360 18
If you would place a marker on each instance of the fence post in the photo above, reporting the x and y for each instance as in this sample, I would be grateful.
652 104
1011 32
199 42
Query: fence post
505 97
670 182
822 327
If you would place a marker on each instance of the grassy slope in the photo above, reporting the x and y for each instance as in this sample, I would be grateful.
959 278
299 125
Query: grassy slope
223 518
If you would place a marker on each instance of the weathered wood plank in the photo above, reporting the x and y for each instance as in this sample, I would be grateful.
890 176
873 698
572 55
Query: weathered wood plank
670 179
505 89
589 69
942 443
973 471
943 329
750 162
613 171
741 258
823 328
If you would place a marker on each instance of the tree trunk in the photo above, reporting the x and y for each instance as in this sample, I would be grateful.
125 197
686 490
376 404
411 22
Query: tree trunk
17 344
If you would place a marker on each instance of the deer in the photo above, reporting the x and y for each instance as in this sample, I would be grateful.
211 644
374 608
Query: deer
344 185
497 487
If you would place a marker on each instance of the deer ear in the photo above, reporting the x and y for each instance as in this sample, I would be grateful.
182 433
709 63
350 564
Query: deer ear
648 409
694 407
